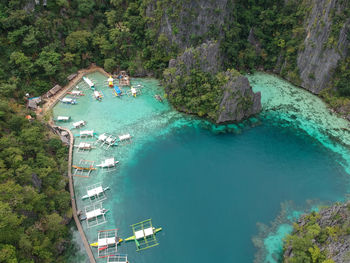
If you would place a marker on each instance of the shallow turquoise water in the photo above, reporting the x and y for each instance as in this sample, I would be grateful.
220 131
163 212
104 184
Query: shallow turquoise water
214 190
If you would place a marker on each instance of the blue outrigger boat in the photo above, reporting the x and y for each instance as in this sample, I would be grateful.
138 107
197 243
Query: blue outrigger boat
117 91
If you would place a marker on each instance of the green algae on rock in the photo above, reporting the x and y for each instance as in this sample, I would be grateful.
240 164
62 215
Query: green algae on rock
195 85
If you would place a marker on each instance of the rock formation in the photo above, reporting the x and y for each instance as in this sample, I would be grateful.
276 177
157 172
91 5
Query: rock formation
324 46
188 23
195 85
326 231
238 101
326 26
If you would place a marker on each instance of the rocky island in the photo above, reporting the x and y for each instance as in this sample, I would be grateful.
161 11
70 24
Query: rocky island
194 84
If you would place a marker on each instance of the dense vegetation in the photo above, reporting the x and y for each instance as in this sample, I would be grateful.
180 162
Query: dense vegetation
41 45
197 92
276 27
312 238
34 203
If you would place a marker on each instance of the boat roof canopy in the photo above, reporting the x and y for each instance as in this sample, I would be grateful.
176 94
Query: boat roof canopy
93 214
95 191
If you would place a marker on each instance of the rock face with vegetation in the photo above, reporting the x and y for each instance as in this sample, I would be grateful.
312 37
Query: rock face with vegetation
326 43
320 237
238 101
195 85
42 42
188 23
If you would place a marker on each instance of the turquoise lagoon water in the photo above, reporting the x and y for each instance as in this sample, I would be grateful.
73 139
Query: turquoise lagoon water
223 193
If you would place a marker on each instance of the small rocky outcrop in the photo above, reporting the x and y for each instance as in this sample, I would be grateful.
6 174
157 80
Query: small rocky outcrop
238 101
325 234
194 84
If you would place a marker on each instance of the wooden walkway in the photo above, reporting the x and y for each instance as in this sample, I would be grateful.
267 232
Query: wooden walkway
72 196
48 106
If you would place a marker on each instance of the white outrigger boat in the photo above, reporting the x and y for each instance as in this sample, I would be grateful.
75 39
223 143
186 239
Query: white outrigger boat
98 95
69 101
94 213
107 139
79 124
102 137
95 192
87 133
124 137
76 93
111 141
89 82
84 146
63 118
108 163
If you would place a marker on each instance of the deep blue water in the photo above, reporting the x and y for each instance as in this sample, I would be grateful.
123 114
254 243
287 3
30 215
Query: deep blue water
208 191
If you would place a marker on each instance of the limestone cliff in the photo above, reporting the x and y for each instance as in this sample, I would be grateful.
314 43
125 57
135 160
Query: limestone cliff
238 100
195 85
187 23
321 236
325 44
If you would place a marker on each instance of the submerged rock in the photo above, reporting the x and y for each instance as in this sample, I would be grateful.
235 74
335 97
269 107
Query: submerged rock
194 84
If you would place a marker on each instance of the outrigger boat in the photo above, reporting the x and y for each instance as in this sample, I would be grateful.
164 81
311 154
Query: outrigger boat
95 192
124 137
144 235
69 101
84 168
107 246
86 133
110 81
79 124
117 91
111 141
147 232
84 146
112 241
89 82
94 214
98 96
133 91
102 137
76 93
108 163
63 118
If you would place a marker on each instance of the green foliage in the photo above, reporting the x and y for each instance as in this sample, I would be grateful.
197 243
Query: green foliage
33 200
308 239
196 92
275 26
341 78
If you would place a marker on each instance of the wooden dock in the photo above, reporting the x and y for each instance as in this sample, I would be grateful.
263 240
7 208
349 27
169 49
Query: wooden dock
48 105
72 196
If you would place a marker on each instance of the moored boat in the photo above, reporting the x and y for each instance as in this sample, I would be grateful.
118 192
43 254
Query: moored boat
146 232
108 163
